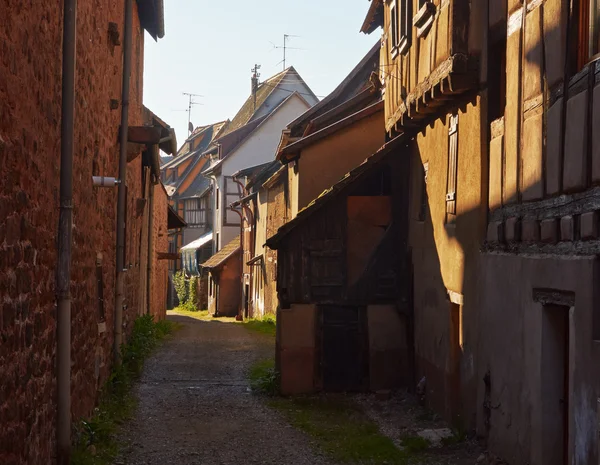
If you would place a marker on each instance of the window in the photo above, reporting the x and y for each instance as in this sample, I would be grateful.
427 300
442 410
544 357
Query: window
400 24
232 193
197 212
424 203
452 169
585 19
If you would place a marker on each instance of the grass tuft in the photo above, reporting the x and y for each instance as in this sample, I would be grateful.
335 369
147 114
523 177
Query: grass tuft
264 378
340 430
95 438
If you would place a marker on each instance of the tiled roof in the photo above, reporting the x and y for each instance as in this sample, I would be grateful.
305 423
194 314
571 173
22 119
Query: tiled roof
248 111
222 255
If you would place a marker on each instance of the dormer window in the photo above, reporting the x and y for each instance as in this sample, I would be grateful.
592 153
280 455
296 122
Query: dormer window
400 26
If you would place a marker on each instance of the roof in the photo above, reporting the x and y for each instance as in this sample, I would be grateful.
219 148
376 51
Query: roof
374 17
249 111
201 241
246 132
210 132
197 188
174 221
353 84
222 255
259 178
151 13
250 171
340 187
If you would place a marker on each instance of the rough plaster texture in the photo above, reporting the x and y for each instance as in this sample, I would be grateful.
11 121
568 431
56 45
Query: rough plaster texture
296 347
327 161
388 348
30 88
512 352
446 257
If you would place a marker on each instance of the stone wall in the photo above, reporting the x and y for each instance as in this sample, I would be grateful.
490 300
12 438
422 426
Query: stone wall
30 97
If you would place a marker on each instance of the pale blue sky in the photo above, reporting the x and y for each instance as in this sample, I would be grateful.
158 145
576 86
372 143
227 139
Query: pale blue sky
210 46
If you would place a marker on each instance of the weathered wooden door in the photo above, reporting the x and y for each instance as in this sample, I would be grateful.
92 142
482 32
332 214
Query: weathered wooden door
344 351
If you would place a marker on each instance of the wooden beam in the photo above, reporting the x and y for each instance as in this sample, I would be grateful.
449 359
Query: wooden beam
148 135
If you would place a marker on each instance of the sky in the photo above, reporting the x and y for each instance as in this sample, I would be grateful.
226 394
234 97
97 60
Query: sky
210 47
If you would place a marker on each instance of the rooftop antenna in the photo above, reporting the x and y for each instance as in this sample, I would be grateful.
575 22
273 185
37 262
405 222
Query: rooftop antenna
285 48
189 110
254 81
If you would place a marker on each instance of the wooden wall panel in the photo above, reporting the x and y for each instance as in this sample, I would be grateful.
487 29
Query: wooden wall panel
512 115
554 147
575 161
532 182
596 136
533 57
496 168
555 40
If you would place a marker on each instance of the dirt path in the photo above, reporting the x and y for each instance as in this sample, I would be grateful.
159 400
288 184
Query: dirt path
195 406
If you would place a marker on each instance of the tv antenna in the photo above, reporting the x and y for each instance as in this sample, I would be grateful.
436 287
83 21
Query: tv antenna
189 110
285 48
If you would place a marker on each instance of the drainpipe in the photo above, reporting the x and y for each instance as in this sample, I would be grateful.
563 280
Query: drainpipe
240 316
65 226
150 243
120 276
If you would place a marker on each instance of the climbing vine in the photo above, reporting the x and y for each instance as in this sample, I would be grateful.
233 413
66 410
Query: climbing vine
187 291
180 287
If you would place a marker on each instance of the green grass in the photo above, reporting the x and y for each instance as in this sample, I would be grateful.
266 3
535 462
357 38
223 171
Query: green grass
341 430
197 314
415 444
96 438
263 377
265 325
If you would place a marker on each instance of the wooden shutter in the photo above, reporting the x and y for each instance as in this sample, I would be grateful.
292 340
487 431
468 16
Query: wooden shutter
452 165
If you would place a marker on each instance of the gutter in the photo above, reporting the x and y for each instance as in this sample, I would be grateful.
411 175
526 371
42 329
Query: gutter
121 202
65 241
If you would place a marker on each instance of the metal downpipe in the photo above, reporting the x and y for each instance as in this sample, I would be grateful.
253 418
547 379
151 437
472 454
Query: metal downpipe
120 275
150 244
65 225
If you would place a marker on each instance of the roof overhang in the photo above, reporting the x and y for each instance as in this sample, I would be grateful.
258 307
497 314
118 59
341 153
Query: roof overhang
374 17
291 152
152 17
174 221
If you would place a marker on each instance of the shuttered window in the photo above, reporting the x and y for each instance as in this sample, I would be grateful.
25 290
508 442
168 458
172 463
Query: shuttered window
400 25
452 169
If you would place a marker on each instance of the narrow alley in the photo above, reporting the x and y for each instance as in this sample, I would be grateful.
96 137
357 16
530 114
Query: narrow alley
195 406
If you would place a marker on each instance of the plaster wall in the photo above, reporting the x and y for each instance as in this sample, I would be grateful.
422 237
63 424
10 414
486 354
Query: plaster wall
513 325
325 162
445 254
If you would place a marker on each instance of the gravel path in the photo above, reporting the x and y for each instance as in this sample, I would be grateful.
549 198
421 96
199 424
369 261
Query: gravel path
195 406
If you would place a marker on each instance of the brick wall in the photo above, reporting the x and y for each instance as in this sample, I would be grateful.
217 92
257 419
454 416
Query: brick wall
161 244
30 96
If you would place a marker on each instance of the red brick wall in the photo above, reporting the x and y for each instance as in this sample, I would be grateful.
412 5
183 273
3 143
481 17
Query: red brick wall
158 304
30 96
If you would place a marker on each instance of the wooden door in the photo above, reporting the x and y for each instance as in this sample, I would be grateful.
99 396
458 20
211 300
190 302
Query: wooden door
343 348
